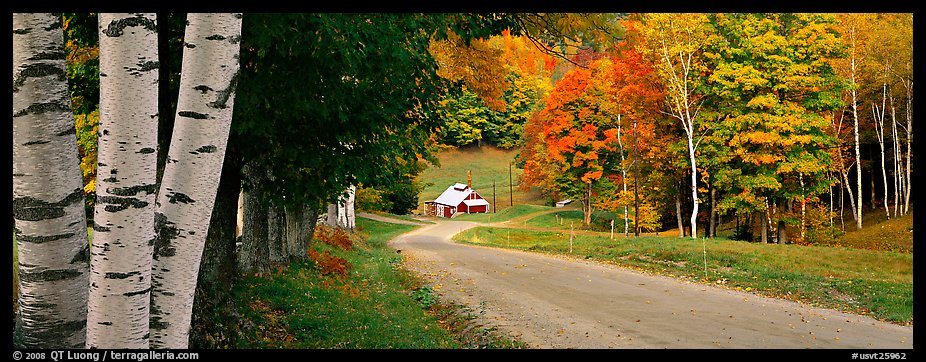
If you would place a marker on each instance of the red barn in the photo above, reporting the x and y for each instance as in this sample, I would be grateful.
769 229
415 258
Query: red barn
459 198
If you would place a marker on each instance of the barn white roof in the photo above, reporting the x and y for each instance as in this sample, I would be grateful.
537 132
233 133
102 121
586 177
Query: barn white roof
476 202
454 195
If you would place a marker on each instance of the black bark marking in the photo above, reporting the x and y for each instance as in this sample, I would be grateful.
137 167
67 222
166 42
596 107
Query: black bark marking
133 190
234 39
189 45
105 323
205 149
140 292
191 114
44 107
166 232
111 179
175 197
121 275
37 70
117 27
146 150
82 256
49 275
215 37
42 239
52 55
118 203
22 31
100 228
31 143
157 323
222 96
68 131
28 208
53 25
202 88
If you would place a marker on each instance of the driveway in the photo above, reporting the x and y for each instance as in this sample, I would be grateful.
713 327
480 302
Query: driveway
557 302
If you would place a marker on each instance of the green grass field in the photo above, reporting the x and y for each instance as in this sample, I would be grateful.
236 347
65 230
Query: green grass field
877 283
487 164
376 304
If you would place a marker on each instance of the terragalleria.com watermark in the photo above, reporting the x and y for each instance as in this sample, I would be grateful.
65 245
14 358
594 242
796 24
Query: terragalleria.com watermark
102 356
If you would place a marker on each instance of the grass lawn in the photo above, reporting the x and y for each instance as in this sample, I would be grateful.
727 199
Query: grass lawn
506 214
875 283
374 303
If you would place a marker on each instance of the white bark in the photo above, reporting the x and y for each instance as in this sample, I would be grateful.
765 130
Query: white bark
858 156
123 239
908 86
191 175
48 200
346 217
879 128
681 107
623 174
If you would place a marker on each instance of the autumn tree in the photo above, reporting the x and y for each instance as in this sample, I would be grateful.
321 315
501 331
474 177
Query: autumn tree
675 43
773 84
579 141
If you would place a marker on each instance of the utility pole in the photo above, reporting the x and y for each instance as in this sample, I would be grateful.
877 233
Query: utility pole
494 199
636 184
510 193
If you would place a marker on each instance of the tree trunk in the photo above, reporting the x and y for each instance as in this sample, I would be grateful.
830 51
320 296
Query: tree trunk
48 200
332 216
678 214
120 279
908 86
191 176
879 128
587 205
276 235
694 187
345 215
254 257
712 230
296 233
858 156
298 250
214 323
763 221
623 174
898 180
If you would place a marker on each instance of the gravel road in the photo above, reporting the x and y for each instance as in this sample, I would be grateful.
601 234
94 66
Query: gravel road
553 302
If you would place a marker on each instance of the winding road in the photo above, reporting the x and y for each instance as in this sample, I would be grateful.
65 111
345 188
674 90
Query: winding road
556 302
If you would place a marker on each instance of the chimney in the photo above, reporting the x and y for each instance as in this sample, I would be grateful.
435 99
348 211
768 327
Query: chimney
469 178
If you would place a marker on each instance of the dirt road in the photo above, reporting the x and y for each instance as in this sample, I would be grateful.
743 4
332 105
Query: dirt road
555 302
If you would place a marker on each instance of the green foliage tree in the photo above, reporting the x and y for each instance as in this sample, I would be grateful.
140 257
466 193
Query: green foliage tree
772 82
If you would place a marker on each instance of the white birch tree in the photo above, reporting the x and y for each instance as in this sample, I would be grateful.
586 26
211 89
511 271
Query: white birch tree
676 40
120 273
209 74
48 199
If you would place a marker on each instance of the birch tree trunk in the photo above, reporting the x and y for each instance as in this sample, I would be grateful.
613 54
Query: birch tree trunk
879 128
898 180
623 174
908 86
858 155
48 200
345 214
191 176
123 238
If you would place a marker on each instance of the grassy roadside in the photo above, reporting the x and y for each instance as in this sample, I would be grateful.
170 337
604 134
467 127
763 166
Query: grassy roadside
875 283
355 297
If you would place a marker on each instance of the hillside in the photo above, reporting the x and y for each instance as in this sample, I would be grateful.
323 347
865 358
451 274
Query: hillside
487 164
